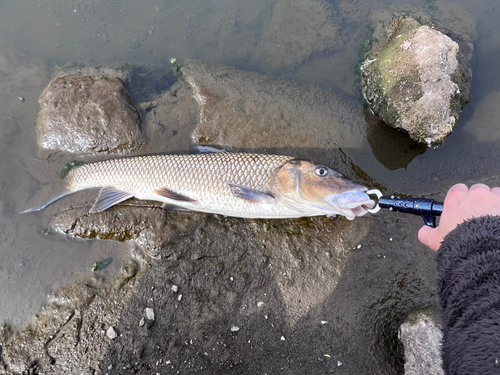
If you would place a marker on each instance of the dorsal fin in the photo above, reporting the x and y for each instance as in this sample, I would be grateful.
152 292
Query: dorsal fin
204 149
252 195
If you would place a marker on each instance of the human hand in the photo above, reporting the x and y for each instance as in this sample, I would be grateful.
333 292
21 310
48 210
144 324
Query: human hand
461 204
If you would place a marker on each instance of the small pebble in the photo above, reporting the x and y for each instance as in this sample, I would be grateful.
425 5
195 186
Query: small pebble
179 298
142 322
324 322
21 99
390 239
111 333
150 313
260 304
339 363
175 288
235 329
358 247
282 338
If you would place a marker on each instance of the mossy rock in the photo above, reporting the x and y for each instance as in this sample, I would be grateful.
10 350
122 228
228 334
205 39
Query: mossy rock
418 81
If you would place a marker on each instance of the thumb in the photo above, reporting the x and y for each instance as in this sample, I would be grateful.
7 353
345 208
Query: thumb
427 236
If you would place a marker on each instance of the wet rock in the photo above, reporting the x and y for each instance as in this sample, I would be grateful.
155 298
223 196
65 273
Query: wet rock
151 228
417 81
421 337
248 110
88 114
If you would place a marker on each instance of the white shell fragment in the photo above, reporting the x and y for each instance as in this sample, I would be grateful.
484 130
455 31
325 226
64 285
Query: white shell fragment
142 322
150 313
235 329
260 304
175 288
111 333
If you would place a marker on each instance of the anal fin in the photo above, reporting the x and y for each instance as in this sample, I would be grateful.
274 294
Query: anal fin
108 197
252 195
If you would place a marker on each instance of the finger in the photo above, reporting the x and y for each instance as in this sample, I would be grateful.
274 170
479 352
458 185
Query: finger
479 186
459 187
495 190
426 235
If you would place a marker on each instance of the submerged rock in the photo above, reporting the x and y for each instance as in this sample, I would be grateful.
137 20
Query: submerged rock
88 114
417 81
249 110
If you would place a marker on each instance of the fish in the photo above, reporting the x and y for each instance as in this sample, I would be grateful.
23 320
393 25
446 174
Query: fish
238 184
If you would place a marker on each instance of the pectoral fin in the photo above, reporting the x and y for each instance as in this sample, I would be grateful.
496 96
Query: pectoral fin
164 192
252 195
108 197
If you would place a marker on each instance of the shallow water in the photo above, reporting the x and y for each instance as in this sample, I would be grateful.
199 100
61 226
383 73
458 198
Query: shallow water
35 37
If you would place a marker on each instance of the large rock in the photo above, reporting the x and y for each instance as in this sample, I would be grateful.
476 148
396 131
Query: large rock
417 81
88 114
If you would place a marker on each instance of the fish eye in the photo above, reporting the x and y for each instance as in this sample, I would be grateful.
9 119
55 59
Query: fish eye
321 171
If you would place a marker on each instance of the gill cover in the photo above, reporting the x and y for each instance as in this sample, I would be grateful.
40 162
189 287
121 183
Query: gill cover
319 190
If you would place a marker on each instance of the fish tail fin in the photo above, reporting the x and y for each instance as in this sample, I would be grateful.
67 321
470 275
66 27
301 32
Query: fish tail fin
51 190
48 194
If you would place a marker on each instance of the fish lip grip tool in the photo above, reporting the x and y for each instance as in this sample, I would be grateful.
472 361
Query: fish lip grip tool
428 209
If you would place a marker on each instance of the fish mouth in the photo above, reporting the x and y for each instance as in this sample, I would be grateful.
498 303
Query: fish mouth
352 204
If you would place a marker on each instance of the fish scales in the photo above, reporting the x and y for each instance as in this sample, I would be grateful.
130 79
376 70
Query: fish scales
205 178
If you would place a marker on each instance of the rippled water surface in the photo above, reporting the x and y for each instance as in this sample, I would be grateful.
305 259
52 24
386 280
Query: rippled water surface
264 36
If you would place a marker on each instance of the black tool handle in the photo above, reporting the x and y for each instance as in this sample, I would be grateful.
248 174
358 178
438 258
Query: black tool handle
427 208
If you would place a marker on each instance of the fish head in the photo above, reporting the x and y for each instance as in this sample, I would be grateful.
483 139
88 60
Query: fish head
319 190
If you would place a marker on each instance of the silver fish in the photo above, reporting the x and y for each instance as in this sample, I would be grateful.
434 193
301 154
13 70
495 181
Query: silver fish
232 184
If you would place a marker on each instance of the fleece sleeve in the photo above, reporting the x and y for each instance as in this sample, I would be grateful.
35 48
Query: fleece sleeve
469 290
